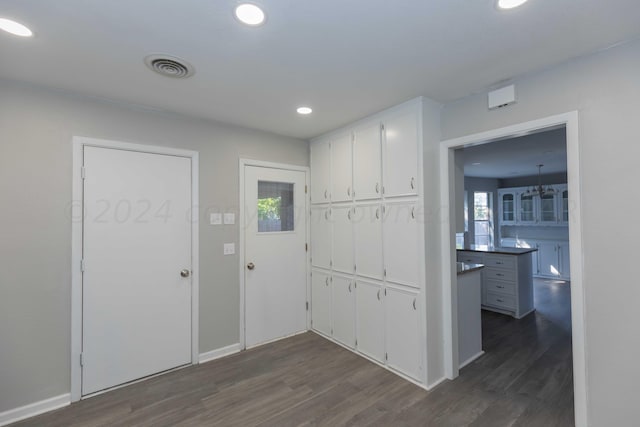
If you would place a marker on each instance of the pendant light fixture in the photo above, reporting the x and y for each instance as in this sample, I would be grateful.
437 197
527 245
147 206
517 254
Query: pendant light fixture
539 190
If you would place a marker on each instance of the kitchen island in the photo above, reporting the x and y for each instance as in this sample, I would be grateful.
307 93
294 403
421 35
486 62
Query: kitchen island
507 280
469 312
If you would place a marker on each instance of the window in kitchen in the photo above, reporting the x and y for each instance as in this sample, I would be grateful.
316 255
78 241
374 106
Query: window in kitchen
483 218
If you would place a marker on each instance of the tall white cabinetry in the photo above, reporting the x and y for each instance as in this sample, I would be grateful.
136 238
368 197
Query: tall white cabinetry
368 240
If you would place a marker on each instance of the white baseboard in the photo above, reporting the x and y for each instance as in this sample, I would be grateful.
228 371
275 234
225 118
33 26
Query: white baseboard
436 383
220 352
33 409
471 359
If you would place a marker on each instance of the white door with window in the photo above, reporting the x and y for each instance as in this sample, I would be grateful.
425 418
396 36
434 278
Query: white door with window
275 253
136 284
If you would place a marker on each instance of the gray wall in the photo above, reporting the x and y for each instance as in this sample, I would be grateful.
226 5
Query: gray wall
605 89
36 127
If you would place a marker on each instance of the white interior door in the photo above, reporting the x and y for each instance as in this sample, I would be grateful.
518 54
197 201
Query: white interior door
275 256
136 311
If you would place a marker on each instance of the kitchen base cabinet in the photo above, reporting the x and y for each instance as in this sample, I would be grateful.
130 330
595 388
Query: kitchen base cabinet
321 301
370 319
403 332
343 310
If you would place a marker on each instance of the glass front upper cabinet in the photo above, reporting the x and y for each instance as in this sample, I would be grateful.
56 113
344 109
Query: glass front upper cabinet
564 214
548 208
507 208
527 209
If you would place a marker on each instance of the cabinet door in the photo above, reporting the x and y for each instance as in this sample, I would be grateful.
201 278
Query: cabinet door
344 311
367 166
548 209
400 158
565 261
320 172
320 237
341 169
401 244
507 207
563 204
321 302
548 259
526 208
403 332
370 319
368 241
342 253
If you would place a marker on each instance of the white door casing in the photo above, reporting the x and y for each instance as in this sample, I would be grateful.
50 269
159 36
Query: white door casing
133 314
275 273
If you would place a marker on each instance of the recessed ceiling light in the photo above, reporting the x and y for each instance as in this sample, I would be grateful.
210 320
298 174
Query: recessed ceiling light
14 28
250 14
304 110
510 4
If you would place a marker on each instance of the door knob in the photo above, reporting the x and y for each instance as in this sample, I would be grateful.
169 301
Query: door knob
251 266
185 273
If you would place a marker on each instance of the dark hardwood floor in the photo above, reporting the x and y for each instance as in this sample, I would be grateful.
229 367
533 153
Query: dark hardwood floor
524 379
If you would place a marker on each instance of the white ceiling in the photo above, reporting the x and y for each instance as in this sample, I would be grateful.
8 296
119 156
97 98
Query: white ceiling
517 157
345 58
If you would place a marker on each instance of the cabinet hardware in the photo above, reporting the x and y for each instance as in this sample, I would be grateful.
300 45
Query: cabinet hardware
414 304
500 287
377 213
326 281
385 292
378 294
500 300
499 262
499 274
354 267
385 275
413 212
325 194
377 188
349 214
349 191
413 184
307 305
349 287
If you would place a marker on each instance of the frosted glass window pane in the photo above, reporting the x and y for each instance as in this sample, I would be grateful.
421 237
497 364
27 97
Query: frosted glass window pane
275 207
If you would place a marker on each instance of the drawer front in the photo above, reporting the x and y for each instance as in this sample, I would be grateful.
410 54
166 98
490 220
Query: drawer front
501 287
469 257
498 274
501 301
500 261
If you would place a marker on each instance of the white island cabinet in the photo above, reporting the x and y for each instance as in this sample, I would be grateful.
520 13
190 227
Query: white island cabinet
368 241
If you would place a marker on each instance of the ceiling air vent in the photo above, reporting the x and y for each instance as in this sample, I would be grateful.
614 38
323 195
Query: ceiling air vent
169 66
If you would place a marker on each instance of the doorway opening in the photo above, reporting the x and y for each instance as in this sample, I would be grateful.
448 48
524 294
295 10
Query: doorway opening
529 211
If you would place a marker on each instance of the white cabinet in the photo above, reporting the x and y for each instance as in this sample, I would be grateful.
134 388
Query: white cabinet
321 237
526 208
342 248
403 331
321 302
367 164
344 310
341 168
320 172
565 264
370 319
548 209
548 259
400 158
507 207
402 244
563 204
368 240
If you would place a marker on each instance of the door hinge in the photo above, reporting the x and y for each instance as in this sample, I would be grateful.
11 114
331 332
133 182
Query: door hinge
307 305
81 359
82 265
83 172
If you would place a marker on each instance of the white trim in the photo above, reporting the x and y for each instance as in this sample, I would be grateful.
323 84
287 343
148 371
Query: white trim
578 313
242 164
79 143
220 352
33 409
471 359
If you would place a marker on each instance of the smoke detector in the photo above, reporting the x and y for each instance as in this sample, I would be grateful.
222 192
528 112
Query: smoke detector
169 66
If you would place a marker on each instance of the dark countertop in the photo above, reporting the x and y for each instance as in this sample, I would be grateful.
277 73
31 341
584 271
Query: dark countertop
499 250
465 267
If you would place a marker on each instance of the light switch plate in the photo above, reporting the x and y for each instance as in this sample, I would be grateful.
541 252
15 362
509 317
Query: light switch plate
229 218
215 219
229 248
